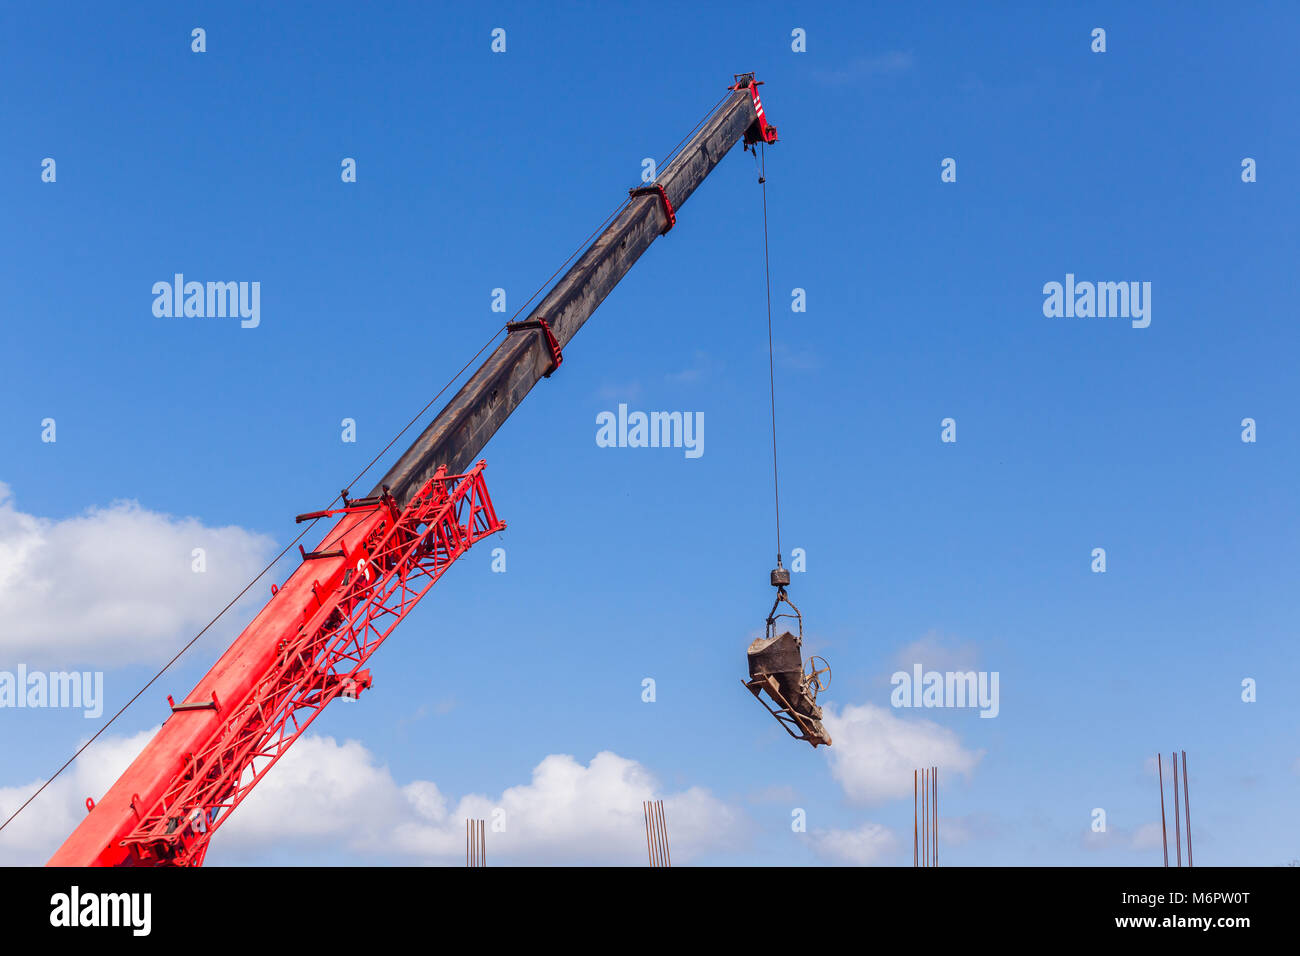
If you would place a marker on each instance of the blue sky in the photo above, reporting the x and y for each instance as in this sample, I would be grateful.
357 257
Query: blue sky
924 301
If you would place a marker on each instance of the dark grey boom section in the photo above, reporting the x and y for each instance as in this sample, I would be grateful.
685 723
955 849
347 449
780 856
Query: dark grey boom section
462 429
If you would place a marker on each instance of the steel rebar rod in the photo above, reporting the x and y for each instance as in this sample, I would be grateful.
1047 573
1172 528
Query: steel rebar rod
1164 830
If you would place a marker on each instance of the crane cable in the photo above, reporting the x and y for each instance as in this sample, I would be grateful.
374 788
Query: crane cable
276 560
260 574
771 362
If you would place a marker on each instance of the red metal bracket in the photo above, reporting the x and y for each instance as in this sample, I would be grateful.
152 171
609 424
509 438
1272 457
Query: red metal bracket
670 214
761 130
557 357
212 704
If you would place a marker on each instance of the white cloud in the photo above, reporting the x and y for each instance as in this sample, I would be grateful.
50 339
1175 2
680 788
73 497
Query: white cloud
1147 837
934 652
779 793
864 68
802 360
567 813
40 829
960 830
869 843
1107 839
331 802
619 391
115 584
875 752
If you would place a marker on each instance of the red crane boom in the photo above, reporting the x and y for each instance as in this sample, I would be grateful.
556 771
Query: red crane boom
310 643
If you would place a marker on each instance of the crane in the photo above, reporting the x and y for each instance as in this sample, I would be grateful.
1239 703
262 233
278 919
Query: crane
310 643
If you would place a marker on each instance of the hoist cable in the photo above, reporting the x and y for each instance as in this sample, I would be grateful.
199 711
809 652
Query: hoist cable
771 362
274 561
599 229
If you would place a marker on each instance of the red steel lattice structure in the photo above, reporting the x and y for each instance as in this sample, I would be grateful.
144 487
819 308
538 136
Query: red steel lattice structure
379 562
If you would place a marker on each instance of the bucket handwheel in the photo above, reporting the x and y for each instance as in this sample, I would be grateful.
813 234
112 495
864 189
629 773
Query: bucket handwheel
818 675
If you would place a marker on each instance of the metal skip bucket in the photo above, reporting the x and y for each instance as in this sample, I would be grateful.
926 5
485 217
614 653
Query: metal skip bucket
776 666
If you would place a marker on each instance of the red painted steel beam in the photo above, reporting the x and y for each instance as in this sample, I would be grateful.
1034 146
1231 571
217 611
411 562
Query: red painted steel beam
306 647
189 766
